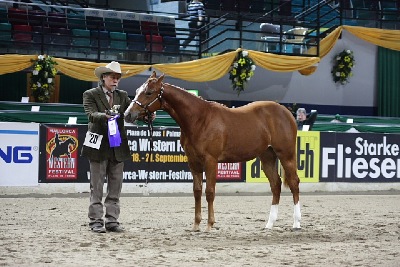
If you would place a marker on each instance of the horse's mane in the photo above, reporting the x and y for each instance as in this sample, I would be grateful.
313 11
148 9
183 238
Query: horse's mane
199 97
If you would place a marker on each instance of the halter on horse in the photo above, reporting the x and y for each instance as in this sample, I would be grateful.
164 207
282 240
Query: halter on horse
212 133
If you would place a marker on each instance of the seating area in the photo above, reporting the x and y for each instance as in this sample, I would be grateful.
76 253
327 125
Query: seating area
278 39
147 38
368 13
273 37
248 6
296 38
110 32
381 14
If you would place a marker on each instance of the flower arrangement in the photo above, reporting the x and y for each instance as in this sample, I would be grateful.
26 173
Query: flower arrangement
343 64
241 71
42 79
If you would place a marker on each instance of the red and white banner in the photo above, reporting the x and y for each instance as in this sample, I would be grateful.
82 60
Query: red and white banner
61 153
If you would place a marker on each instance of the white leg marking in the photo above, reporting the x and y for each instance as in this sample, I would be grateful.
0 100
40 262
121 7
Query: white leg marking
273 215
297 216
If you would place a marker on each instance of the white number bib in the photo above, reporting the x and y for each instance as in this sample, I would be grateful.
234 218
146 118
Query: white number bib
93 140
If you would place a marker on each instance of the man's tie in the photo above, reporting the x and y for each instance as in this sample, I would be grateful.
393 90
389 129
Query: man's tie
110 100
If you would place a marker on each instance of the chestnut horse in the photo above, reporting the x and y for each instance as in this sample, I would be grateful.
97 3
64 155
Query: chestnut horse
212 133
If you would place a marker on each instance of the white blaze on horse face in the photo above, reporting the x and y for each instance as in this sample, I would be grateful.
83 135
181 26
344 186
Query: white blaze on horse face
296 216
140 90
273 215
128 115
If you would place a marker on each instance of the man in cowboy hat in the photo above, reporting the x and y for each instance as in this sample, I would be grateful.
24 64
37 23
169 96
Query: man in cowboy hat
105 160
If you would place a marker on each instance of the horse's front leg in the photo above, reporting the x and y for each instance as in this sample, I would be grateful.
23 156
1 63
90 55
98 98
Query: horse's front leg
197 192
211 172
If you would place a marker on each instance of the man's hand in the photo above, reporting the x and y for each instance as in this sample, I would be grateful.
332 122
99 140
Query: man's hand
110 114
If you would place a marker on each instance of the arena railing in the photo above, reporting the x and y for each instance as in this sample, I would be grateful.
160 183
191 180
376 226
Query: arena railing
60 113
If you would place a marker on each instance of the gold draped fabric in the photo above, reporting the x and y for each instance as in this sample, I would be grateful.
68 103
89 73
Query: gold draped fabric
326 44
213 68
84 70
385 38
13 63
281 63
200 70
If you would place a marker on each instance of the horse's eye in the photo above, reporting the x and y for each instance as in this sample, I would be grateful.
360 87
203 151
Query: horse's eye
148 93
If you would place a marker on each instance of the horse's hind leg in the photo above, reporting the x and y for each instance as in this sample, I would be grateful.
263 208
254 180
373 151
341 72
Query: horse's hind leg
288 161
269 165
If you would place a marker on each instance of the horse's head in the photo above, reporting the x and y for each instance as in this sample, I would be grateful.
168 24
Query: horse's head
147 99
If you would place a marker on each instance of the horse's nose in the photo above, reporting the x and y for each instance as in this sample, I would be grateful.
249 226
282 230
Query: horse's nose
130 117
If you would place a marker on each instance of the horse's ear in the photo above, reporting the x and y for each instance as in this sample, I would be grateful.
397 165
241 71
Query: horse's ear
153 75
161 78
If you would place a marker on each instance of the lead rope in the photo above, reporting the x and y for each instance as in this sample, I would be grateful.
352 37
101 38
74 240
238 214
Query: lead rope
150 124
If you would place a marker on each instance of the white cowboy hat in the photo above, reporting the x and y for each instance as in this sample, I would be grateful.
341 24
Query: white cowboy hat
110 67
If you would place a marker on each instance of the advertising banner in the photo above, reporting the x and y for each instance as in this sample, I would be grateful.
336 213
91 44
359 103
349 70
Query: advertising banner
321 157
60 159
166 162
19 154
61 153
308 160
360 157
229 172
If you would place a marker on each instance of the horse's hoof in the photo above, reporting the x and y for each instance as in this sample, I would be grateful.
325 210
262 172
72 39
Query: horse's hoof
269 226
296 229
196 229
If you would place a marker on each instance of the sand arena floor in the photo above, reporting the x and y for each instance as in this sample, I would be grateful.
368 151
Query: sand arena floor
337 230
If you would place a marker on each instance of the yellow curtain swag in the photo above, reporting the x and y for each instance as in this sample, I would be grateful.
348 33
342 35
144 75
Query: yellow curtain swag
213 68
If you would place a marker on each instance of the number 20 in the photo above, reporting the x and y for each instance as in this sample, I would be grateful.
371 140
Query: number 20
93 138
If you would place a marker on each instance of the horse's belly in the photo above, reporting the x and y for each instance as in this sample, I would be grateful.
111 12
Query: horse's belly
235 158
240 153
